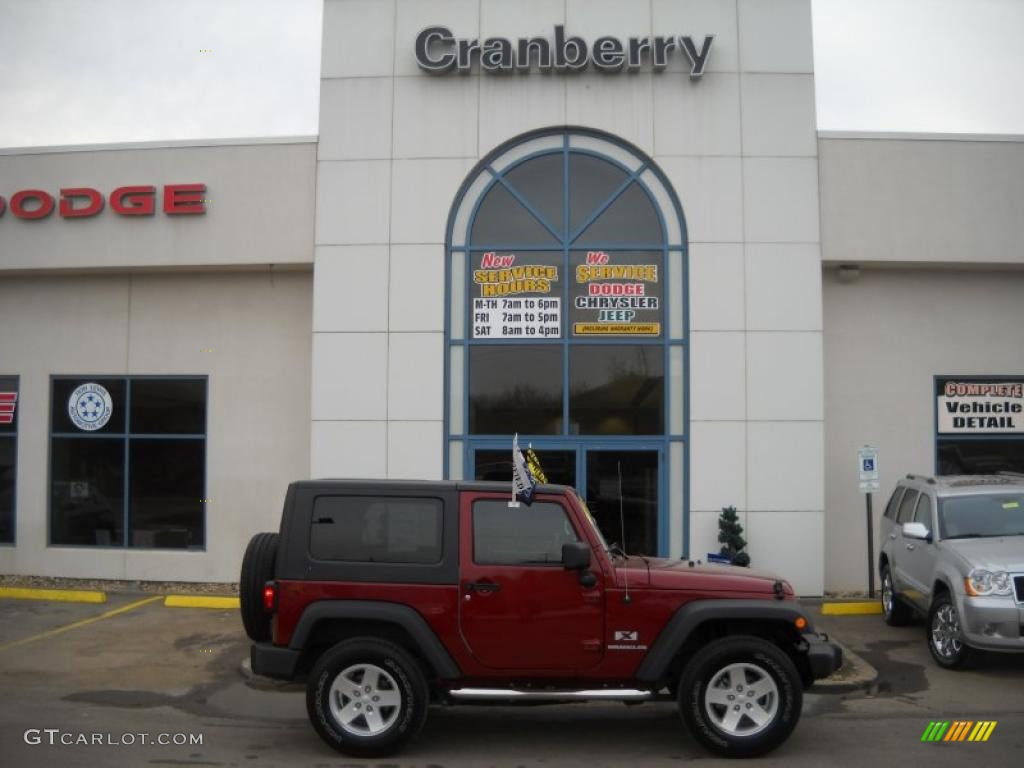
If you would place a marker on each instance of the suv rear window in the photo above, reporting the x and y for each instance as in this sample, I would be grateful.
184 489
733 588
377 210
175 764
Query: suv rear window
375 529
531 535
907 506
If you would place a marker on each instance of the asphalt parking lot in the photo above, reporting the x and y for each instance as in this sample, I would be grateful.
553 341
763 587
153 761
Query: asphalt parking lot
133 666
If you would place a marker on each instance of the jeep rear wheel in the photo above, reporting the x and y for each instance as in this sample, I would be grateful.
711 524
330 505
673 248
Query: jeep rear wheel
894 611
257 569
740 696
367 697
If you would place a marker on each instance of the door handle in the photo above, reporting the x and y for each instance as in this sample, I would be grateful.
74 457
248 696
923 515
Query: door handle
910 546
483 586
892 535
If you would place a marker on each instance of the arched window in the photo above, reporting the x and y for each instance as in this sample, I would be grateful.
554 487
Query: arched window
567 325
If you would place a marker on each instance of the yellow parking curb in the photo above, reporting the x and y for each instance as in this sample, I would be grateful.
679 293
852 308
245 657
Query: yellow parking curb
200 601
62 595
852 609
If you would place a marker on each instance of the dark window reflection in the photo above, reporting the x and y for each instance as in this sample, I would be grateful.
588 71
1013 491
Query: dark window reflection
62 392
639 497
502 219
167 493
7 472
559 466
161 406
980 457
591 182
541 181
515 388
632 218
87 492
616 390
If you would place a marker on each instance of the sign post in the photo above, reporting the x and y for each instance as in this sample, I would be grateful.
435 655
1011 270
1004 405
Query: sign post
867 467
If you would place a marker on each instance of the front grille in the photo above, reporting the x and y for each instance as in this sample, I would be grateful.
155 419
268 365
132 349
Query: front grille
1018 585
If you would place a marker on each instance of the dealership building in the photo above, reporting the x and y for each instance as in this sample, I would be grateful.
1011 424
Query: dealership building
612 228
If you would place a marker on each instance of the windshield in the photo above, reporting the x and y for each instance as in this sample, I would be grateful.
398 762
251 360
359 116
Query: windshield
989 514
590 517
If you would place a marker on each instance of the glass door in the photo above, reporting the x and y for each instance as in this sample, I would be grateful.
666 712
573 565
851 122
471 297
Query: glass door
559 465
636 508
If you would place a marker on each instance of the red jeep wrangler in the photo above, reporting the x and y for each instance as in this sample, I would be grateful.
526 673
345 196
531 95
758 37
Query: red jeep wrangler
389 596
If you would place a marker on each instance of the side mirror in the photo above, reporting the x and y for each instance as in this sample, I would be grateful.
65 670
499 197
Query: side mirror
916 531
575 556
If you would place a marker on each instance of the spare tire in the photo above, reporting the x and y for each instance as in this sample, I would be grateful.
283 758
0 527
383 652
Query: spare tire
257 570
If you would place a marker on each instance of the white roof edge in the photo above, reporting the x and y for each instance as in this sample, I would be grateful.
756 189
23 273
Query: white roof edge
910 136
221 142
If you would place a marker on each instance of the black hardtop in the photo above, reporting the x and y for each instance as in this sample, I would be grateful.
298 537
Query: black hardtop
405 486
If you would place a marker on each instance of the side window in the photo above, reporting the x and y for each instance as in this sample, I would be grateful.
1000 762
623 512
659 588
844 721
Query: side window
372 529
531 535
923 513
894 503
906 514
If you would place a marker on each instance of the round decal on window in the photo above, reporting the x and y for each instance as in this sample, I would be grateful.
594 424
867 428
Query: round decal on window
90 407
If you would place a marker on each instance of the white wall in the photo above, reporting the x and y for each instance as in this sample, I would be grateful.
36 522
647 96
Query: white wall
922 199
256 328
738 145
886 335
259 209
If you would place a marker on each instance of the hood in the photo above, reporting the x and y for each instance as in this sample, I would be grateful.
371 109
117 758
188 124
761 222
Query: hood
995 553
663 573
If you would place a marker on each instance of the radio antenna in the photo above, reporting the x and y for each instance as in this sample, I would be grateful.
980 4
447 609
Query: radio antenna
622 531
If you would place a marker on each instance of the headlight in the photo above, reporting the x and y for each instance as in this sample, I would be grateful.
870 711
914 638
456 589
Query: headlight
981 582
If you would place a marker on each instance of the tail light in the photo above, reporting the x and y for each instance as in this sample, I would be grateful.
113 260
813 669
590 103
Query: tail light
270 596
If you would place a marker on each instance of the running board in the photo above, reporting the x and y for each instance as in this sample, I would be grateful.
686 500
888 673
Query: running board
505 694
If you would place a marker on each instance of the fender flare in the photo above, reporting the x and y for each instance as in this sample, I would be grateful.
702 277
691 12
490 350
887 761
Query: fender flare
690 616
371 610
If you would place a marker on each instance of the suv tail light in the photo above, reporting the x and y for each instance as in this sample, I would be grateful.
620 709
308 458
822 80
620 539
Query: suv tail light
270 596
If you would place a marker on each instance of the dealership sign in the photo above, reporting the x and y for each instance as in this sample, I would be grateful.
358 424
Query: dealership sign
83 202
969 407
438 51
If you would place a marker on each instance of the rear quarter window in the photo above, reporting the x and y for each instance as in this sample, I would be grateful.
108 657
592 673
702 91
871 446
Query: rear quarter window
375 529
894 503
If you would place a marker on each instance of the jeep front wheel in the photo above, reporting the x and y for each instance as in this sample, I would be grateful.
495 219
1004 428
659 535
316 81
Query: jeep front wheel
740 696
367 697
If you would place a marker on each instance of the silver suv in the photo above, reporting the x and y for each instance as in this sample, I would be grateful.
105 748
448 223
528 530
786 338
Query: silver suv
953 550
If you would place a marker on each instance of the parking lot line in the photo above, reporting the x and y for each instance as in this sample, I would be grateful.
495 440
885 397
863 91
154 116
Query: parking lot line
62 595
82 623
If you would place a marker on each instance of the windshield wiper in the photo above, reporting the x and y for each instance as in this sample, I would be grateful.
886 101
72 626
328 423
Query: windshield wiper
972 536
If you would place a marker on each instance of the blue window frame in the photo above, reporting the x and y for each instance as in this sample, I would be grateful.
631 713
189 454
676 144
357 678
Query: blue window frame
128 461
548 199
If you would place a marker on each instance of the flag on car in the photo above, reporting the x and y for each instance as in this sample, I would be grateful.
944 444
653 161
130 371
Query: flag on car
534 465
523 481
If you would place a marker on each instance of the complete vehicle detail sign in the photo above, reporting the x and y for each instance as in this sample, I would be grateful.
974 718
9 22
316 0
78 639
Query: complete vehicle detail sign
438 51
978 406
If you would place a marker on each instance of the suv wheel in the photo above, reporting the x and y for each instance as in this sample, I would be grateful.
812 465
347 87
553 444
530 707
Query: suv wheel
945 636
367 697
740 696
895 612
257 569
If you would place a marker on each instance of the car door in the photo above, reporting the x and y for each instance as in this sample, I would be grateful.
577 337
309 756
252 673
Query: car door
905 514
518 607
917 556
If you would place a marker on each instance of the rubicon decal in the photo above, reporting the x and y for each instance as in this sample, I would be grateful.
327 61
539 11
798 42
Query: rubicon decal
438 52
959 730
85 202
